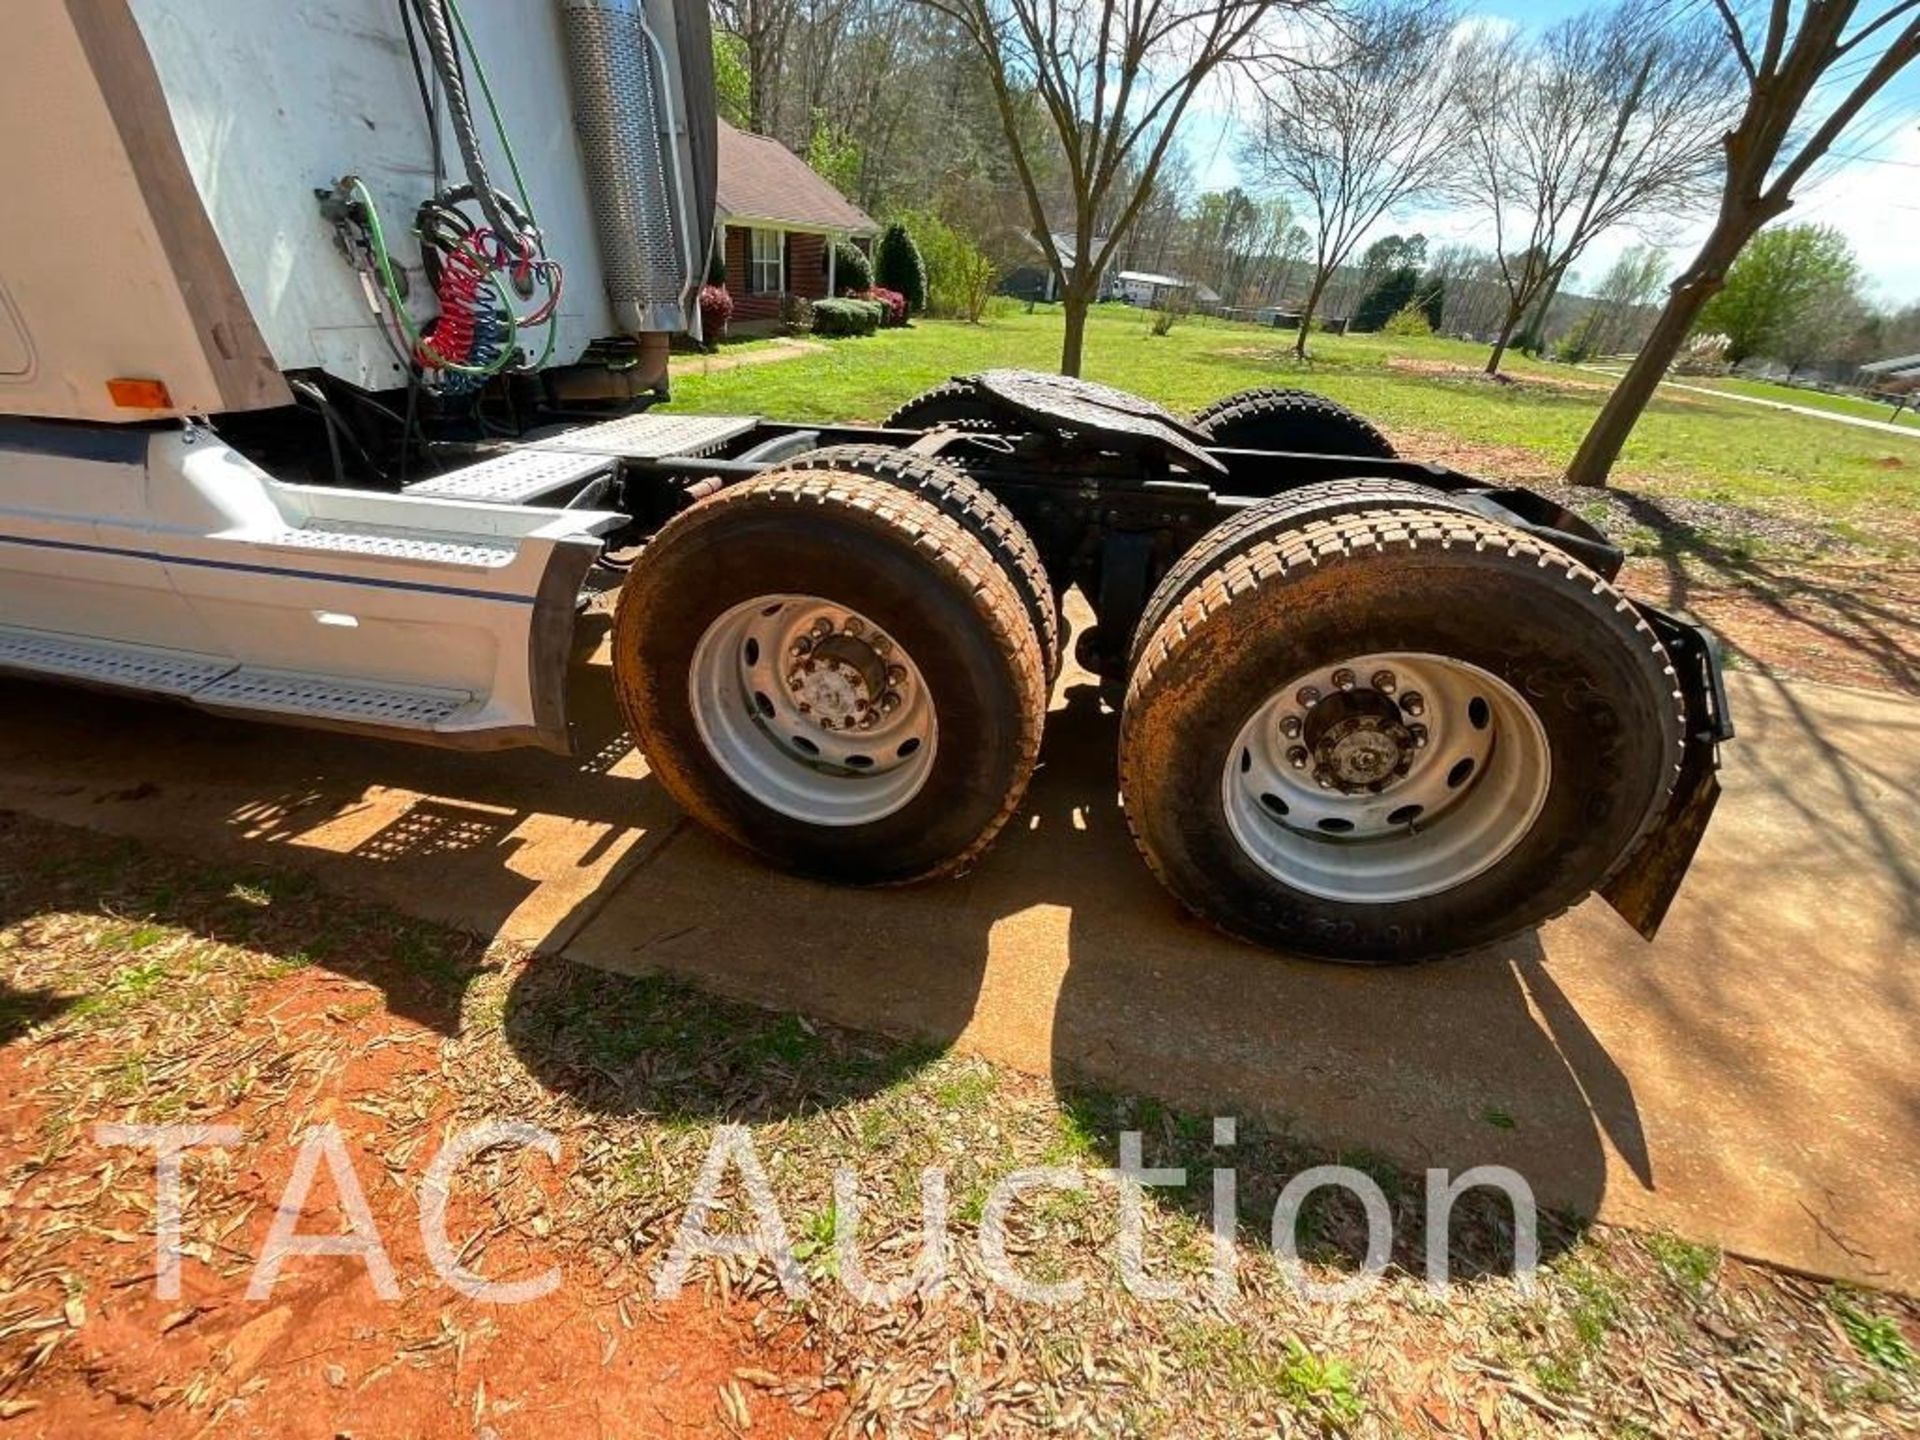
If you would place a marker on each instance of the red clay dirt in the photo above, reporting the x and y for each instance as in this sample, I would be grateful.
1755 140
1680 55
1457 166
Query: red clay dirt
324 1356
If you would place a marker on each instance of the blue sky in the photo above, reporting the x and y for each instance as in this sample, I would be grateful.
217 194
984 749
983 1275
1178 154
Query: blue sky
1873 198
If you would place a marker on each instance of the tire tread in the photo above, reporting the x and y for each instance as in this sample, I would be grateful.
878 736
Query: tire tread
1316 543
1305 404
947 547
1239 532
967 501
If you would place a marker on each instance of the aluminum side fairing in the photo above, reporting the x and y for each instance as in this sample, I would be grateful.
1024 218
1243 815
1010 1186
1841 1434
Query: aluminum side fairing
167 562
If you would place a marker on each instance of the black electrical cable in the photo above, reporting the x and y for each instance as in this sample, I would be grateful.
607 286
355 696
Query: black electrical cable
301 387
407 426
428 107
337 430
438 29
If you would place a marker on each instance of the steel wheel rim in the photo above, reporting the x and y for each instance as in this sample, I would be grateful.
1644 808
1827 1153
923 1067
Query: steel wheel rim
813 710
1420 772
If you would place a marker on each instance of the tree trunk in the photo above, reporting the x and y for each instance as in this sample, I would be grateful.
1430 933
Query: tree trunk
1320 278
1073 343
1499 352
1503 338
1594 460
1537 326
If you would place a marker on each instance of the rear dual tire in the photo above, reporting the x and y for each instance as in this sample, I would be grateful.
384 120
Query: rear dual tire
826 668
1257 524
1547 751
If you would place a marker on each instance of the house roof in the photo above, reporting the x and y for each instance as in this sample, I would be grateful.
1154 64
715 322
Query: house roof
1898 365
760 179
1063 244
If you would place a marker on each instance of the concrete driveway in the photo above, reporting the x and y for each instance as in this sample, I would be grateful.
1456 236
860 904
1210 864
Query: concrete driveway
1752 1080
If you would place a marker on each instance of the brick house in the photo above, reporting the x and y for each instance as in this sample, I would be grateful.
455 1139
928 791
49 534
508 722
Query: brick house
779 221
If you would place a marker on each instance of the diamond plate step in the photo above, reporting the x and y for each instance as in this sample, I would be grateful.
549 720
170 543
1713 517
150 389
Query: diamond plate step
162 672
653 437
277 691
340 539
532 471
514 478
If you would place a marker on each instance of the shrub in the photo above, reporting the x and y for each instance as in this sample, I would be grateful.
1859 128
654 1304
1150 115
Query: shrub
796 314
960 277
1705 354
893 300
846 317
1391 294
1577 345
897 266
852 271
1409 319
716 310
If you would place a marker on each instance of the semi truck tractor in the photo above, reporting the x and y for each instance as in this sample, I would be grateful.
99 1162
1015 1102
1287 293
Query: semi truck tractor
333 342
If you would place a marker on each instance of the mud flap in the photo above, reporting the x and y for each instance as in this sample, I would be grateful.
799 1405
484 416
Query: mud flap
550 640
1644 889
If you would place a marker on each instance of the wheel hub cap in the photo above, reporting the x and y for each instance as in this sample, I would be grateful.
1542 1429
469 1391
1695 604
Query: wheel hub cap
842 679
1358 742
1386 777
812 709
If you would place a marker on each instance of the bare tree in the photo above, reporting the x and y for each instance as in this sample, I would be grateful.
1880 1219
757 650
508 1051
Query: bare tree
1624 299
1792 54
1156 229
762 27
1115 78
1609 116
1358 129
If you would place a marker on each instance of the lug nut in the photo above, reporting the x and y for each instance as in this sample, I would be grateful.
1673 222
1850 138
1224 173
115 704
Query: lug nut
1290 726
1419 734
822 627
802 646
867 720
853 626
1309 696
880 642
890 701
1297 757
1343 679
896 674
1323 779
1384 682
1413 703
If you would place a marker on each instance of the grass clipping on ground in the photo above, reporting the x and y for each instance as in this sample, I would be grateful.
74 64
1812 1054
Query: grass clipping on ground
140 989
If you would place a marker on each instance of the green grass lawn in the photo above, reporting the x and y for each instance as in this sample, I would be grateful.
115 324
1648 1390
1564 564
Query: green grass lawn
1426 392
1813 399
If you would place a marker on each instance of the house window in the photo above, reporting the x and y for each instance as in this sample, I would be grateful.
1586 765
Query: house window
766 263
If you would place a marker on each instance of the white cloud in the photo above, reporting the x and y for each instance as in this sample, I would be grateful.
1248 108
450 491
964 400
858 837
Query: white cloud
1876 205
